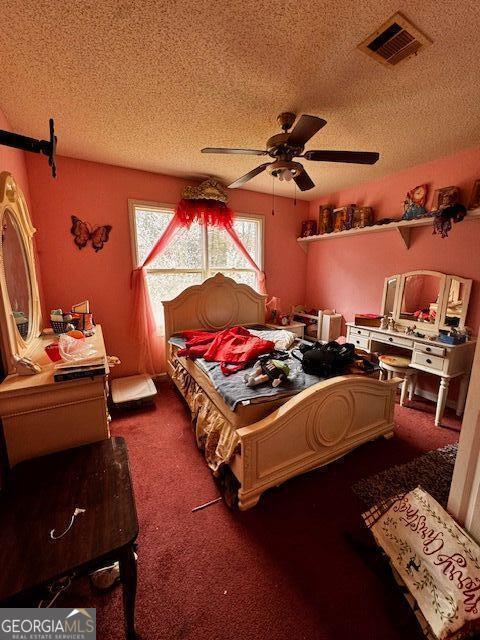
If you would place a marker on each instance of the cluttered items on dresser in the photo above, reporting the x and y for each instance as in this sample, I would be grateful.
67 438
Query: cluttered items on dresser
74 358
79 317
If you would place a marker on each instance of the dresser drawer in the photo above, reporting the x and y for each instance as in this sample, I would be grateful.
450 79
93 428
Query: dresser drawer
360 342
397 340
429 348
427 360
355 331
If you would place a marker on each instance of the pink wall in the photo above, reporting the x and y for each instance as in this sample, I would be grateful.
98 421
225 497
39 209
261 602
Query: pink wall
347 274
99 193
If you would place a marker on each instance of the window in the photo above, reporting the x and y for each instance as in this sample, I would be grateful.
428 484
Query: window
194 255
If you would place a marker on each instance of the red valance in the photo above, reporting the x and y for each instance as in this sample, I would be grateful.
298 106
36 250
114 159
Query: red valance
210 212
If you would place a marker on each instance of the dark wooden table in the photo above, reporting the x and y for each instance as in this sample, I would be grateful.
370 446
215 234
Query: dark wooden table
42 494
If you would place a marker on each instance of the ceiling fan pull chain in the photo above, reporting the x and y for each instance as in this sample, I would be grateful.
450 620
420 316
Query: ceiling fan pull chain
273 196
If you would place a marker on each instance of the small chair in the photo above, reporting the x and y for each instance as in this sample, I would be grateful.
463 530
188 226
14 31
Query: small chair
399 366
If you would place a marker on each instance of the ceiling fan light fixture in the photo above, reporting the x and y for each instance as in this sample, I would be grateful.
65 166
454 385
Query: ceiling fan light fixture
283 147
284 170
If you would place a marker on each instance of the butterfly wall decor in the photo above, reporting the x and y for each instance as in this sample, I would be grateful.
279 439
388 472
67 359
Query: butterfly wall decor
83 232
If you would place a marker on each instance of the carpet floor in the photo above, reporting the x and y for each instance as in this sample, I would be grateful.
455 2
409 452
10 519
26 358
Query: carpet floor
283 570
433 471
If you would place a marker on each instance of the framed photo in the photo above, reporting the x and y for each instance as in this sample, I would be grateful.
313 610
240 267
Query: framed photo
445 197
343 217
325 219
309 228
474 202
363 217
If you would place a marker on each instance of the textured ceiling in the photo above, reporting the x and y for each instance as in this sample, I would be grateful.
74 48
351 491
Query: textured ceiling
147 84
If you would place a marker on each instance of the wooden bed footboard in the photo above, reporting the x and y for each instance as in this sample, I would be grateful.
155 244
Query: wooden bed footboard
314 428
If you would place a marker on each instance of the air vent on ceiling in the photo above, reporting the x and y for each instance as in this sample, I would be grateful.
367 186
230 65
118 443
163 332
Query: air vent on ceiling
394 41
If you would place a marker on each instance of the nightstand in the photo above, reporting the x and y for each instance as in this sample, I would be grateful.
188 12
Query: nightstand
297 328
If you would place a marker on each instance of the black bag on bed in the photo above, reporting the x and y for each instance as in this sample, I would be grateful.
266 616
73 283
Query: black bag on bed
325 360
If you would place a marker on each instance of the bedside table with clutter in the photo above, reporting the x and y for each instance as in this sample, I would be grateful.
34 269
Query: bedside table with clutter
297 328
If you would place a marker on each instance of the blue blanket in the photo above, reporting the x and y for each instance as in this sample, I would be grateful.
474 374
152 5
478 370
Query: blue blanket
234 391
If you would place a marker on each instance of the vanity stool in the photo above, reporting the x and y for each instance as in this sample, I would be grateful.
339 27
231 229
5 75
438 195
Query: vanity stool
399 366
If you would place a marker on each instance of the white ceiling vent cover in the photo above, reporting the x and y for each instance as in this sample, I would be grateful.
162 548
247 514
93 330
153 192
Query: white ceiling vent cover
394 41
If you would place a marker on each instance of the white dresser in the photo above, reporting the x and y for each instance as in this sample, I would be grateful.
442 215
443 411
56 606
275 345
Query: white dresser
431 356
40 416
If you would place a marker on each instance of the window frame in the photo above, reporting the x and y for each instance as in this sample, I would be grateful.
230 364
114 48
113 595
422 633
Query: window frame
138 204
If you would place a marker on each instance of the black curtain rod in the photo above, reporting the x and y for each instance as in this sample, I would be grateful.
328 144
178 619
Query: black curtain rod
46 147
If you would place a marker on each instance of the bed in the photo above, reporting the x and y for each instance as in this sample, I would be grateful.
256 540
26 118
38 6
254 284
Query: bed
264 443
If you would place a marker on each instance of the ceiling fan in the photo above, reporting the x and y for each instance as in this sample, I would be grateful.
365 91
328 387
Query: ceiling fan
285 146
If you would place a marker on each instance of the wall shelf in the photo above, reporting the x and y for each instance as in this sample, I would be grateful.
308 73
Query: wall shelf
404 228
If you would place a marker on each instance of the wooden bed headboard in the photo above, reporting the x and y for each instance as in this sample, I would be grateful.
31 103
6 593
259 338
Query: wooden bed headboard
216 304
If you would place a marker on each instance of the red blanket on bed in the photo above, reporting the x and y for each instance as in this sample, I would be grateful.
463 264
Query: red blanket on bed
235 346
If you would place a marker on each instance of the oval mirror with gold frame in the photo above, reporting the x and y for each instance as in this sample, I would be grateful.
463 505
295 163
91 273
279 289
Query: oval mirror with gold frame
20 316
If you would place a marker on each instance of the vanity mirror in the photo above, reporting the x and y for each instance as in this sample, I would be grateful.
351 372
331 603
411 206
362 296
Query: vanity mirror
389 295
428 300
419 299
457 297
20 315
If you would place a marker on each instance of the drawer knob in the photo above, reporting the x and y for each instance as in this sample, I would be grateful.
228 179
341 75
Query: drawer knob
429 361
390 339
357 341
428 349
359 332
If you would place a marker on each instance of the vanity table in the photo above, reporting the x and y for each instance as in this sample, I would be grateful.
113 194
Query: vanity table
38 415
424 302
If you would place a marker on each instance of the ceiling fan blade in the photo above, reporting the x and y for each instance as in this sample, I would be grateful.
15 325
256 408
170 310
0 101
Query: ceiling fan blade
303 181
248 176
357 157
248 152
306 127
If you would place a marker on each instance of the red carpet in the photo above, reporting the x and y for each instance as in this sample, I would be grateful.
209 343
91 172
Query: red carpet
281 570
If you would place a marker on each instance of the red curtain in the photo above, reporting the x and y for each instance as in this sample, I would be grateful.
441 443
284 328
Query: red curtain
209 212
143 321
